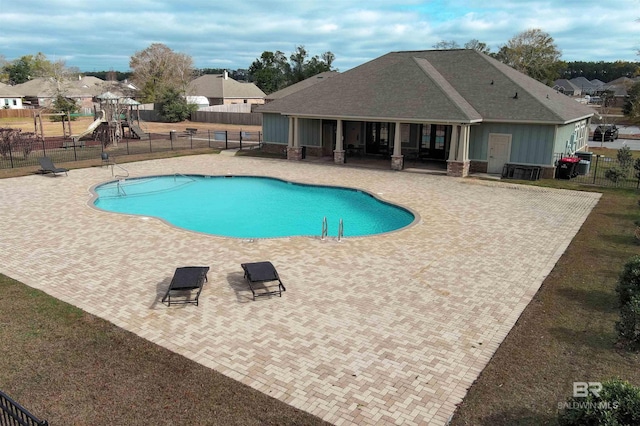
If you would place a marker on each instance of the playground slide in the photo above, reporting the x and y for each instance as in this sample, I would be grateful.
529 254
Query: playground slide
90 129
138 132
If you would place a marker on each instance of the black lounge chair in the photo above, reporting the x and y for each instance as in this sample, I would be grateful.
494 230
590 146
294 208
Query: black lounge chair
47 166
184 281
261 273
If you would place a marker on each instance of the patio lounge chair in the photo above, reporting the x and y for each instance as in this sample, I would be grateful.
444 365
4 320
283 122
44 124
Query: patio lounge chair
47 166
184 281
259 273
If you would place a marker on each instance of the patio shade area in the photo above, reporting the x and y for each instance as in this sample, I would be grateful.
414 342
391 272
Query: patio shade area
384 329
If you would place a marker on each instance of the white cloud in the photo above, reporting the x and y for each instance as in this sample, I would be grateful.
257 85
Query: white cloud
233 34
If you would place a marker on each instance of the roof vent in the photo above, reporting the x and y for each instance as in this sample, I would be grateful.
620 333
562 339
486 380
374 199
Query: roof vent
492 82
515 96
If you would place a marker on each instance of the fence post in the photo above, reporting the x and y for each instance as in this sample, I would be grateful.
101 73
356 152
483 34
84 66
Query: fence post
191 139
127 146
11 155
209 138
226 139
75 154
150 148
595 172
44 151
240 140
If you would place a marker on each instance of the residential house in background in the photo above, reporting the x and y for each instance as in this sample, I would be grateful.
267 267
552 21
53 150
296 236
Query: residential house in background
460 108
567 87
9 98
220 89
41 92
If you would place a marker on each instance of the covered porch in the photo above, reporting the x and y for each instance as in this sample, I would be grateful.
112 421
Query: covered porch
399 144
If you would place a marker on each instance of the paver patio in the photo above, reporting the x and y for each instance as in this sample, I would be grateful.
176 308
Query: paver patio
377 330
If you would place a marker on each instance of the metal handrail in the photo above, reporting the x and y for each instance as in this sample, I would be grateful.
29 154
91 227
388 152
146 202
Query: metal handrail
340 230
325 228
120 187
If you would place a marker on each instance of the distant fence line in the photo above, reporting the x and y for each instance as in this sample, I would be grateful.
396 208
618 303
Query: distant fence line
17 113
62 150
239 118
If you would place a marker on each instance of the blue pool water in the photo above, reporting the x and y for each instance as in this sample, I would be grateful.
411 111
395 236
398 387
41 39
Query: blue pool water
251 207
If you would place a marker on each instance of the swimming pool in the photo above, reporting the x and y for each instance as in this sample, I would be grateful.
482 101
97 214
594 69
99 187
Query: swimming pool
252 206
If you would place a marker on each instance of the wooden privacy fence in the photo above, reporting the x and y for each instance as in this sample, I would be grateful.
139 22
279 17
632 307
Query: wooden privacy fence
245 119
16 113
239 118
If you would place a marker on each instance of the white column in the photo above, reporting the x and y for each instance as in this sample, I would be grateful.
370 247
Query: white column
290 140
397 141
464 136
296 135
339 141
453 144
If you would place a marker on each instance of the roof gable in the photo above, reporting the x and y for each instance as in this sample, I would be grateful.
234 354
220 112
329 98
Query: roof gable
437 85
217 86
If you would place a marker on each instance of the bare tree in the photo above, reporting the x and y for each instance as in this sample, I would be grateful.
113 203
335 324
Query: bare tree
446 44
158 69
477 45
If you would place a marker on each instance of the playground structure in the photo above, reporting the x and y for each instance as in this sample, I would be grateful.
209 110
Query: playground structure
114 116
39 128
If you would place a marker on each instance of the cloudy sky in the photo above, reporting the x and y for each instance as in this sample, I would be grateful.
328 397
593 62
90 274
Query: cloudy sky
101 36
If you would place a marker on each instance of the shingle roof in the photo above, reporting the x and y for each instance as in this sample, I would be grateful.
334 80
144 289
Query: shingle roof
459 85
318 78
565 85
7 92
216 86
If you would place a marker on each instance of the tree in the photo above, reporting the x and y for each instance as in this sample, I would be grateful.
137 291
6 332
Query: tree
64 105
272 71
533 52
446 44
157 69
474 44
631 106
173 106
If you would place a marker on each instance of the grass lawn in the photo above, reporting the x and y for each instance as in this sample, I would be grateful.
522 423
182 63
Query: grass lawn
73 368
566 334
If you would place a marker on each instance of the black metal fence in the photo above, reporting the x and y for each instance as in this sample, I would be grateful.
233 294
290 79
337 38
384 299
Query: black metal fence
14 414
599 170
62 150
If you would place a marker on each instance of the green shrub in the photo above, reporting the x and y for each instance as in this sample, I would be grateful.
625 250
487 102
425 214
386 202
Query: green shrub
628 327
615 174
629 281
625 158
617 404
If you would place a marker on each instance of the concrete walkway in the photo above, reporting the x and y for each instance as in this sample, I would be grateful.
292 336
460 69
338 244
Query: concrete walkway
376 330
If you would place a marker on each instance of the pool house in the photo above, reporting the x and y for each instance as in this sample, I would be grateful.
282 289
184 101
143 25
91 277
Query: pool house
458 108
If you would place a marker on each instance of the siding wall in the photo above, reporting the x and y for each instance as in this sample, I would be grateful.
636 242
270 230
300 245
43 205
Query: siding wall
275 128
568 138
309 132
530 143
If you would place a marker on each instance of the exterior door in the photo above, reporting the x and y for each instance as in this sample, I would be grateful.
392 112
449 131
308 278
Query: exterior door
499 152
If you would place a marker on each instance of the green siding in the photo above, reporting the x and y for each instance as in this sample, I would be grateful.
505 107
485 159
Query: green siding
309 132
566 138
530 143
275 128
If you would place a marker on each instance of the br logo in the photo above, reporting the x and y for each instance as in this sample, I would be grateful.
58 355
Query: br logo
582 389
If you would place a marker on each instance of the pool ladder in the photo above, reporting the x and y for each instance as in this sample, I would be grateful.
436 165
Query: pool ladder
325 229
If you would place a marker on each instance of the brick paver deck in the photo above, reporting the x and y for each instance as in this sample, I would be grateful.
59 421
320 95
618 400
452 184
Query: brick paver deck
377 330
